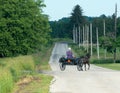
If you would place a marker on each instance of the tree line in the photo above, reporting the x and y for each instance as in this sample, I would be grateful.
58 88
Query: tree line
64 27
24 28
108 28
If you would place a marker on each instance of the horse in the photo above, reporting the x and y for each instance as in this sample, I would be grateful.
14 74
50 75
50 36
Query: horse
86 60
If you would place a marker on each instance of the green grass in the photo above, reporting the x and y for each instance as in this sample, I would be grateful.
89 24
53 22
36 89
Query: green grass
41 59
11 70
114 66
39 84
15 68
42 85
6 81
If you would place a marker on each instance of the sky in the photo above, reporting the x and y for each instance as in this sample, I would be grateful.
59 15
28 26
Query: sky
57 9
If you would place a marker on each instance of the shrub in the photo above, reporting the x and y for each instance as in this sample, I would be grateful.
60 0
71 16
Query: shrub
101 61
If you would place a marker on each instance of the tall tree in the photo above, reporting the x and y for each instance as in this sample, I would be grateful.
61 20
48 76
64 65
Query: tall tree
23 27
77 18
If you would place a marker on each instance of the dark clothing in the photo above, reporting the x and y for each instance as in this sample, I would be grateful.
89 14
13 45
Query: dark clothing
69 54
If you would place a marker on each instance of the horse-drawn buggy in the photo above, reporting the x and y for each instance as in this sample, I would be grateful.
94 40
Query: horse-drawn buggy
79 62
70 61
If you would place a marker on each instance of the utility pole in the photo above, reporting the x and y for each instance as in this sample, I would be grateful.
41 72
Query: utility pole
104 37
87 38
79 36
91 37
115 31
97 43
83 35
74 34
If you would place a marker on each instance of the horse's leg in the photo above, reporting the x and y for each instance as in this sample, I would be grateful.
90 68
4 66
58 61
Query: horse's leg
85 66
88 66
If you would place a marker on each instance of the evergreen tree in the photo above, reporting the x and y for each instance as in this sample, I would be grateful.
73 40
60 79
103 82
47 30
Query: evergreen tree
77 18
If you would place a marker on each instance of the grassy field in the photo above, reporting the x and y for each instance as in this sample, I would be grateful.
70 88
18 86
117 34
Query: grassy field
20 73
114 66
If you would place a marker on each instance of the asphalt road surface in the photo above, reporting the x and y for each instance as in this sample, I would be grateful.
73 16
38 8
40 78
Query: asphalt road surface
95 80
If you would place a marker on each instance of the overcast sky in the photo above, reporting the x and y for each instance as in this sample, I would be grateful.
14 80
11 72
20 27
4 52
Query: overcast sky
57 9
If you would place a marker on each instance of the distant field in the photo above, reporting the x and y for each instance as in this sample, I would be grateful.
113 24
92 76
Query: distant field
114 66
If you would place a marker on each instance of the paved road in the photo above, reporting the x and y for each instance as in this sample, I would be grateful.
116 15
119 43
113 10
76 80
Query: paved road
96 80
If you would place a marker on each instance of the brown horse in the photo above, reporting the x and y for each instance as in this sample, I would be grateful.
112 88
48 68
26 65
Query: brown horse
85 60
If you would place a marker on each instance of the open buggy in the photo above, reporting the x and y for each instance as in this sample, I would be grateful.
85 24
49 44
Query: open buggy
70 61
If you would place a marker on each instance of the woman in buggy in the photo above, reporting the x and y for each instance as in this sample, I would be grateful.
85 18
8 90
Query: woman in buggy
70 60
69 54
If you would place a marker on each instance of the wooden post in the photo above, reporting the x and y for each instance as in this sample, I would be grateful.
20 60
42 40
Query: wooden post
74 34
87 38
97 43
79 36
104 36
115 31
83 35
91 38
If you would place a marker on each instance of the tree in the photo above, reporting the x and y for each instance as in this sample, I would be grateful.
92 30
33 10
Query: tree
60 28
77 18
23 27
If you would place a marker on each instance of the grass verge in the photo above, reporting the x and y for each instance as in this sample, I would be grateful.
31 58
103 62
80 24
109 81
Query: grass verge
38 83
114 66
20 73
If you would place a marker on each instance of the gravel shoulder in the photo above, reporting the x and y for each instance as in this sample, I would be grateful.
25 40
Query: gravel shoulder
95 80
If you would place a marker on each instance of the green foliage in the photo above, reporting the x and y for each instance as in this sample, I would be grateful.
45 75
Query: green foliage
41 58
118 41
60 28
13 69
6 81
101 61
20 64
108 43
77 18
114 66
23 27
79 51
63 28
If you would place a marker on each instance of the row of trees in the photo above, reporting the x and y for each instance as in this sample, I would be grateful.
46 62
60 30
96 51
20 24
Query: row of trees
64 28
23 27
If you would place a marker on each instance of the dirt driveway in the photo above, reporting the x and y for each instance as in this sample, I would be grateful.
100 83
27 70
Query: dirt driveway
96 80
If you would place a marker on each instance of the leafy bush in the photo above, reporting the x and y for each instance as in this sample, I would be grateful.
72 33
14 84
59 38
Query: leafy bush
80 51
101 61
117 61
19 33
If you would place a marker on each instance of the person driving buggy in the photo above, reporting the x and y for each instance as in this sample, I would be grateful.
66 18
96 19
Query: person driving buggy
69 53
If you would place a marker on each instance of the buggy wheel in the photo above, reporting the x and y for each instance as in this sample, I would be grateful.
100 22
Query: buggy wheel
62 66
